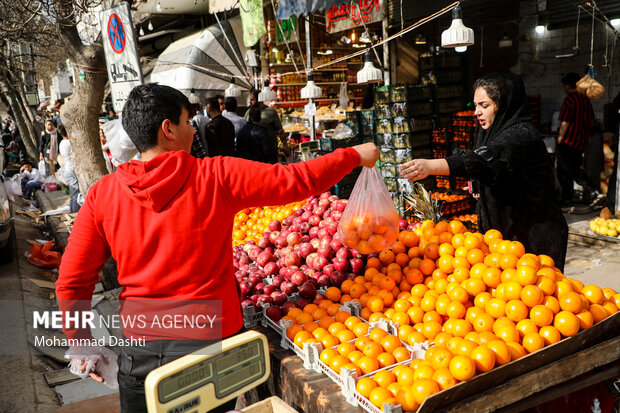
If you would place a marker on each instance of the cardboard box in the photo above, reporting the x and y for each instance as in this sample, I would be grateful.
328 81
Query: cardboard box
271 405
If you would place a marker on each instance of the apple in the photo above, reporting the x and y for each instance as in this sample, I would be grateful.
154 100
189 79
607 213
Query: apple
337 278
324 280
274 313
271 268
299 278
278 297
326 251
357 265
340 264
286 307
314 220
328 269
273 235
293 238
277 280
275 225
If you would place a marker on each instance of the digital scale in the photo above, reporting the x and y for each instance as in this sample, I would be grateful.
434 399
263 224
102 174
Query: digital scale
199 382
308 147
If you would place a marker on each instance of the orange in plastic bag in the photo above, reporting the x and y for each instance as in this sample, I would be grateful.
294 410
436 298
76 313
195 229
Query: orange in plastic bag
370 221
42 256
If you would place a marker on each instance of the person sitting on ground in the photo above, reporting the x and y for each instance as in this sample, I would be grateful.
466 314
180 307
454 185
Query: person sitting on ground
253 141
32 179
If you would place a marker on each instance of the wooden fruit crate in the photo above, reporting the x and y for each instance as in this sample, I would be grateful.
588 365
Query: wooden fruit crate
516 386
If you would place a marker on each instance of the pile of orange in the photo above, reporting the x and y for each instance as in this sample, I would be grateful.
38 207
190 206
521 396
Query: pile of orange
444 196
252 223
369 233
482 300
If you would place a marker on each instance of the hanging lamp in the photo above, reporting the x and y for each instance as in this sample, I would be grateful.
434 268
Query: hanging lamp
311 90
369 73
457 34
420 39
266 95
193 99
232 90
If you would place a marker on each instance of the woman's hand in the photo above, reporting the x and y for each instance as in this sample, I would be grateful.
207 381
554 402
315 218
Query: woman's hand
421 168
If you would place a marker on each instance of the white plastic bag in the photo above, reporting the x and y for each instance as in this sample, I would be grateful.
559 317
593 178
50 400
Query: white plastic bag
370 221
13 187
44 168
120 145
94 359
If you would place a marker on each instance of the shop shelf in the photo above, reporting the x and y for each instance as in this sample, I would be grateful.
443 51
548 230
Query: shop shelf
406 92
331 144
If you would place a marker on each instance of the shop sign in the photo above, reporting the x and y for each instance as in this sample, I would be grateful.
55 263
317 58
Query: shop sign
351 15
121 53
289 30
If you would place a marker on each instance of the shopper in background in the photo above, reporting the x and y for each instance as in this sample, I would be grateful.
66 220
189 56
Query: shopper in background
510 169
253 142
576 116
230 113
68 169
171 210
219 133
48 148
270 120
31 179
220 101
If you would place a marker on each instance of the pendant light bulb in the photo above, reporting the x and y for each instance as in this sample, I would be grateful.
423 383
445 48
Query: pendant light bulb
150 26
141 32
311 90
457 34
369 73
232 90
266 95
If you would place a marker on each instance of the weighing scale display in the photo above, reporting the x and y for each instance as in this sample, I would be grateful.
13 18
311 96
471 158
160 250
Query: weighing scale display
200 382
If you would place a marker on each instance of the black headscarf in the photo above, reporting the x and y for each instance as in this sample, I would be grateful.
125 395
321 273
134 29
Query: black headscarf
514 107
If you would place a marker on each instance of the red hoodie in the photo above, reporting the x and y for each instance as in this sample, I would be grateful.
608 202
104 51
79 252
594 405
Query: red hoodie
168 224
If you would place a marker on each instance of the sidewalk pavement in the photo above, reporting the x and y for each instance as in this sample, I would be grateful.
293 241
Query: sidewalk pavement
590 258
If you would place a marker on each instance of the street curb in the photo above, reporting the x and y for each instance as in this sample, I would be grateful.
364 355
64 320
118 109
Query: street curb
53 223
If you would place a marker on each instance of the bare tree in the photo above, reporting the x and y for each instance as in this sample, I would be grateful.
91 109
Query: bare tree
56 21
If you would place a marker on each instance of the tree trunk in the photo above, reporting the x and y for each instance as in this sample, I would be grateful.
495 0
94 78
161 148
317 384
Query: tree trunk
31 147
24 109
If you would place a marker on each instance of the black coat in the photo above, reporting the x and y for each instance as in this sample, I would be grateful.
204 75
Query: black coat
254 143
45 142
220 137
513 173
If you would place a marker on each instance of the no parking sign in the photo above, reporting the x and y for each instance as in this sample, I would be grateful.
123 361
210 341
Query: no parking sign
121 53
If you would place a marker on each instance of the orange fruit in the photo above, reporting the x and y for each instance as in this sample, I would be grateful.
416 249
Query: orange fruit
352 366
496 307
465 347
352 321
336 327
293 330
406 398
441 340
550 335
516 350
345 335
541 315
599 313
508 333
377 334
368 364
338 362
365 385
570 301
532 296
486 337
546 284
484 358
563 287
310 327
333 294
384 378
372 349
378 396
526 275
404 375
512 290
456 310
304 318
444 378
374 304
345 348
533 342
516 310
567 323
390 343
401 354
440 358
552 304
594 294
301 337
327 355
526 326
424 371
502 353
361 329
328 341
319 332
386 359
484 322
482 299
424 388
386 257
461 328
492 276
462 367
431 329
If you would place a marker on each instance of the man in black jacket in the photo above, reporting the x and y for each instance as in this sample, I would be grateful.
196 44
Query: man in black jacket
253 142
50 141
219 133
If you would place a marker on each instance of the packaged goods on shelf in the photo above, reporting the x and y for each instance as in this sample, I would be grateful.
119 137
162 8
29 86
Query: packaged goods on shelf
401 140
367 122
401 125
406 92
382 95
383 111
391 184
329 144
411 109
384 126
388 170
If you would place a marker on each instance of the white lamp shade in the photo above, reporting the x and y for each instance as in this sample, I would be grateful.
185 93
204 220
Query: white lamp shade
369 74
311 91
457 35
193 99
232 91
266 95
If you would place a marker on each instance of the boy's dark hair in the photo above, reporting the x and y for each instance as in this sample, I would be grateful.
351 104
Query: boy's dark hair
218 97
214 104
62 130
230 103
147 107
254 115
571 79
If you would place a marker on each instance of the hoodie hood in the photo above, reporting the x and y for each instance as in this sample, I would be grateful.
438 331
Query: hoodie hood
155 183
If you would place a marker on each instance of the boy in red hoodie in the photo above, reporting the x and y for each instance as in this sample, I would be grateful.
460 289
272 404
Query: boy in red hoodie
167 220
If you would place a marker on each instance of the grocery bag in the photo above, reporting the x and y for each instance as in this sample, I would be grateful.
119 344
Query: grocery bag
370 221
50 184
43 256
44 168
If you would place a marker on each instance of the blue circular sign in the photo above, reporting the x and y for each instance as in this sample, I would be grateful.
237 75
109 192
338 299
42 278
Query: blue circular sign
116 33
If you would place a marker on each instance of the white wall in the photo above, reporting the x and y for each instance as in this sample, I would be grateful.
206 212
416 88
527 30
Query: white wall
542 71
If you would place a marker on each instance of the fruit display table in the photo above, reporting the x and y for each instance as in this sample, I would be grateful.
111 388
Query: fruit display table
590 357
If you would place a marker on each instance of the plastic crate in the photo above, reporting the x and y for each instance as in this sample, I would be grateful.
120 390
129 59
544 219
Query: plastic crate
401 126
382 95
367 122
251 316
384 126
383 111
404 92
331 144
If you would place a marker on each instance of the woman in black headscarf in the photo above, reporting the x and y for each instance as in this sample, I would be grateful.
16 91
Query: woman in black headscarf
509 168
